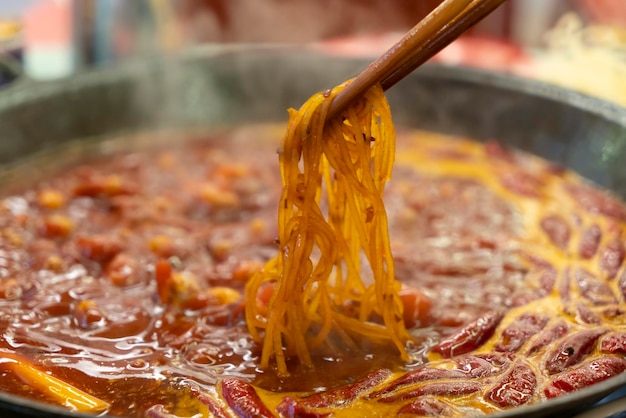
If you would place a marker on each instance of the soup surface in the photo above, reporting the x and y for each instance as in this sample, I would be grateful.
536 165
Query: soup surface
122 277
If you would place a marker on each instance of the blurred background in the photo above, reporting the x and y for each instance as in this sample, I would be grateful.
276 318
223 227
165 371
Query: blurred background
576 43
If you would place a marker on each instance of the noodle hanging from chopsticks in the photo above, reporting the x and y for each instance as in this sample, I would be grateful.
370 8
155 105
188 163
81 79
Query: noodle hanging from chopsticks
331 219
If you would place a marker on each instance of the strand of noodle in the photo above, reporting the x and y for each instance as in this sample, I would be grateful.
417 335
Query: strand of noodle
327 323
374 332
315 166
385 301
350 254
341 223
337 218
353 121
302 247
344 163
343 335
362 316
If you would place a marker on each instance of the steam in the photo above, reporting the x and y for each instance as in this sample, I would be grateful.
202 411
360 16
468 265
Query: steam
176 91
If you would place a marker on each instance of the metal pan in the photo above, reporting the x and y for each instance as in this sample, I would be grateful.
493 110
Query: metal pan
217 87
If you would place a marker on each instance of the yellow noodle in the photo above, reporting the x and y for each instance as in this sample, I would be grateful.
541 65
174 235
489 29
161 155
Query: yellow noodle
331 224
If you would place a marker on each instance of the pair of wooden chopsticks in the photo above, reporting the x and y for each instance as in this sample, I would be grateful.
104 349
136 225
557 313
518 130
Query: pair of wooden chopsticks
444 24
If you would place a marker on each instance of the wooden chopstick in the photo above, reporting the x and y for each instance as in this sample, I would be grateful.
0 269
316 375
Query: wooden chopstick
444 24
462 22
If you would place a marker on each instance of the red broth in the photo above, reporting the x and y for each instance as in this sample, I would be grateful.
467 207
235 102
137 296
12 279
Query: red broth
123 277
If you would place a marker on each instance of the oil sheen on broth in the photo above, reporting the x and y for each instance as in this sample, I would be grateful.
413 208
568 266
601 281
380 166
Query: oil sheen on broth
123 277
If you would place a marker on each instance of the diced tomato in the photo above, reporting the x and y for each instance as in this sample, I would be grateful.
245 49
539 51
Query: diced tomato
263 297
416 306
100 248
164 279
56 226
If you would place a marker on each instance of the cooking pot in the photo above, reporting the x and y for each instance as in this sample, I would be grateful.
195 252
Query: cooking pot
223 87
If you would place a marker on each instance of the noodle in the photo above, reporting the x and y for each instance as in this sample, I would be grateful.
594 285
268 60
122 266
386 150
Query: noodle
333 235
